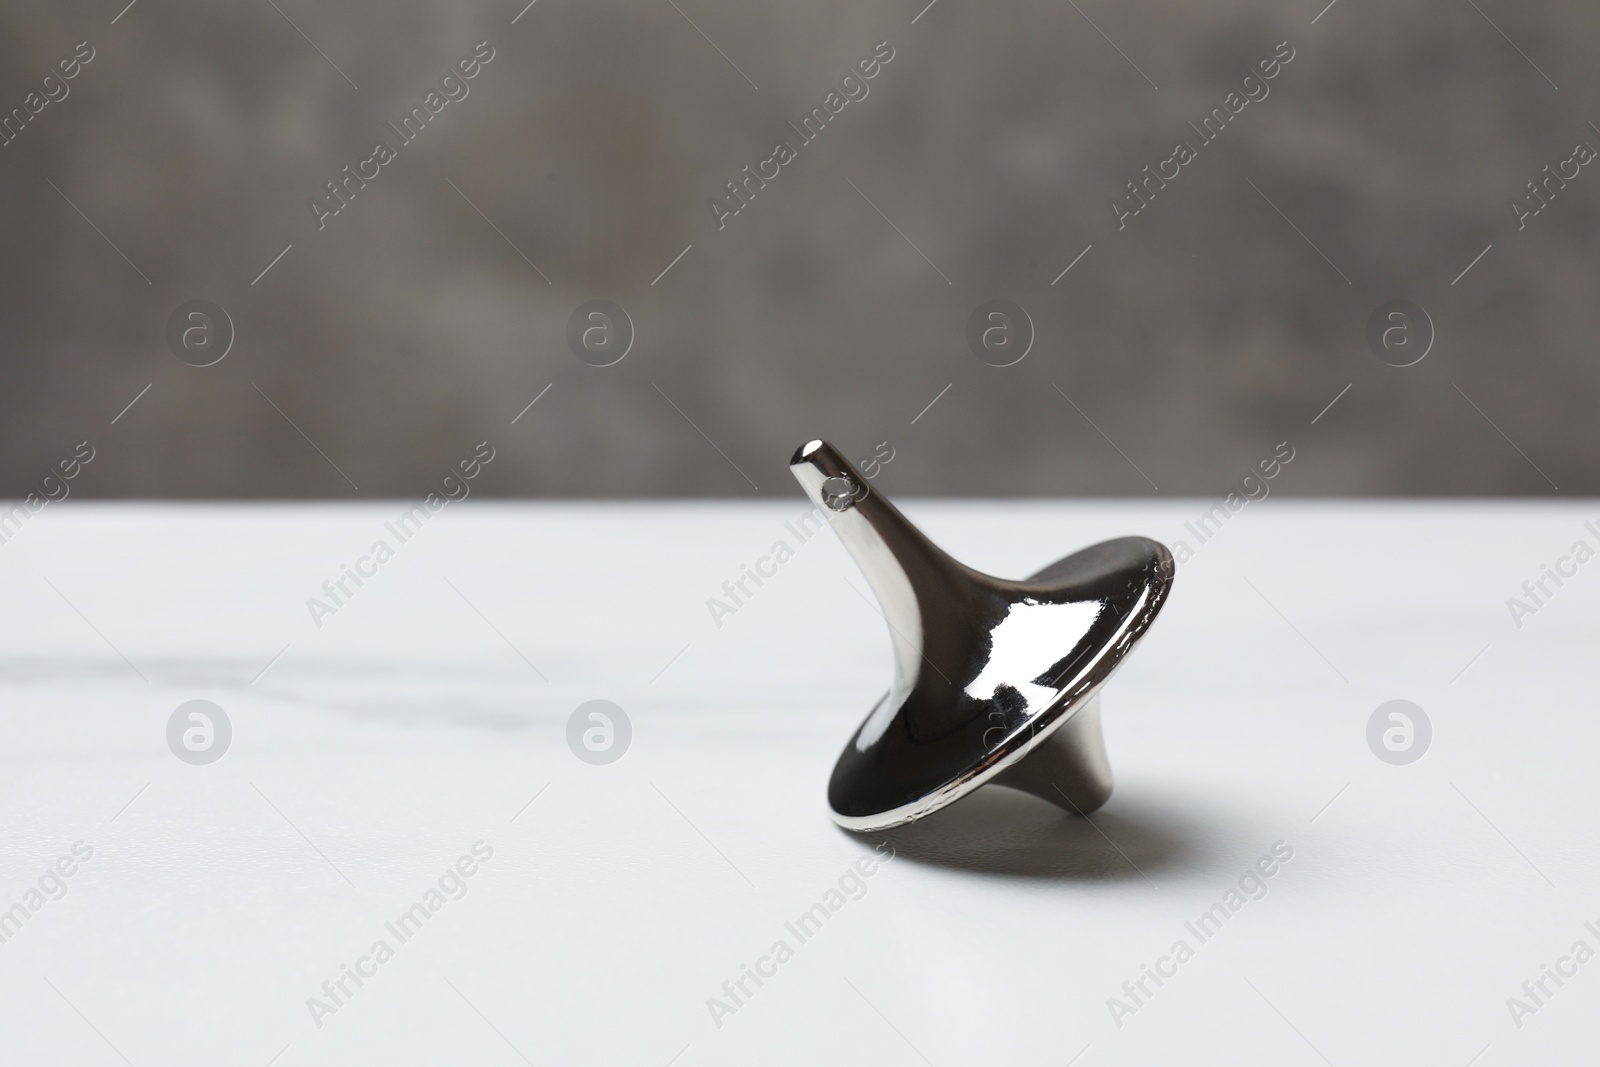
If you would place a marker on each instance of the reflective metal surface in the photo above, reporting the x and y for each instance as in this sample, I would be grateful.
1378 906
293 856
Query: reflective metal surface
994 680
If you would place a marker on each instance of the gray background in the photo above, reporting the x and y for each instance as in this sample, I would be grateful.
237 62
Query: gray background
1190 343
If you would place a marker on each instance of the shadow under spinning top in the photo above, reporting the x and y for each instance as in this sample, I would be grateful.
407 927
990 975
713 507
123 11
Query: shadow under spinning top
994 680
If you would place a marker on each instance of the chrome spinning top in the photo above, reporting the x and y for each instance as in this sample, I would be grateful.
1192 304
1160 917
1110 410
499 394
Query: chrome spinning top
994 680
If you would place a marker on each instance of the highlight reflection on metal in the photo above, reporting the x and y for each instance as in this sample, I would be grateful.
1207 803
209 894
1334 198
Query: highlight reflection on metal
994 680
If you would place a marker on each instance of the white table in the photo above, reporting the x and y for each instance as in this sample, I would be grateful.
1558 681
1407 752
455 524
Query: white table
380 747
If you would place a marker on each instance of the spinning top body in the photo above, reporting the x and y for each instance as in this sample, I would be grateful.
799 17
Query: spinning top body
994 680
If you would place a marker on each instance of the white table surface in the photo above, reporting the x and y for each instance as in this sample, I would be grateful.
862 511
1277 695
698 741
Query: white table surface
381 746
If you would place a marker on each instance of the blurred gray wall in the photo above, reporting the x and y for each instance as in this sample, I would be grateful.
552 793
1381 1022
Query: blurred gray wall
425 316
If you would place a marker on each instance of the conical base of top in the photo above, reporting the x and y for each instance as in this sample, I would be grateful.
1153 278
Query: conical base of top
1070 768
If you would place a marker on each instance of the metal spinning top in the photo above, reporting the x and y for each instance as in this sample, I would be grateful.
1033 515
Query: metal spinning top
994 680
